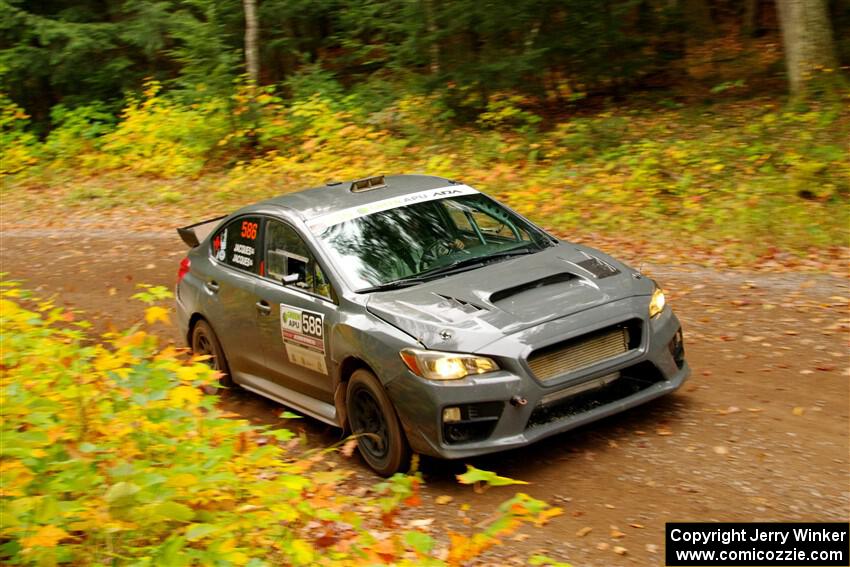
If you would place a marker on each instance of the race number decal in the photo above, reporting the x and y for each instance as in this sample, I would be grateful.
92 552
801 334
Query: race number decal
303 334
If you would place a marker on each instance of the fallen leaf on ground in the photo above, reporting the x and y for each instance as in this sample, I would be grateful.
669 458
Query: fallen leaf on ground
721 450
443 499
616 533
584 531
620 550
799 410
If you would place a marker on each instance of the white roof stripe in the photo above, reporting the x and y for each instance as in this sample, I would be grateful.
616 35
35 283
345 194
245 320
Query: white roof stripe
322 222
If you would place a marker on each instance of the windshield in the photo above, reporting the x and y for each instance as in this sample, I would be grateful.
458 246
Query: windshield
420 239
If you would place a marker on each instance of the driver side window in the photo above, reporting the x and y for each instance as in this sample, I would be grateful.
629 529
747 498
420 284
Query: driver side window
287 254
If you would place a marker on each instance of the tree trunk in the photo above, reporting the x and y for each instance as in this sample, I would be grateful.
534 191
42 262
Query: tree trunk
433 47
252 58
698 17
751 20
807 38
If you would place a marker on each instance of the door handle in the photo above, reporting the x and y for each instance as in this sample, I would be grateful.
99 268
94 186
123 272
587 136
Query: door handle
212 286
263 307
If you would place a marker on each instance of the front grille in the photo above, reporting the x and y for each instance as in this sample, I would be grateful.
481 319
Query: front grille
584 351
632 380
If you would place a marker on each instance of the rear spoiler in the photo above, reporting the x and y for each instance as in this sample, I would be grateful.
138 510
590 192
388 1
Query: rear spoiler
194 233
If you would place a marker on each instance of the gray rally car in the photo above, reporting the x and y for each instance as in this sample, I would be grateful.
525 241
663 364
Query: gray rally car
423 315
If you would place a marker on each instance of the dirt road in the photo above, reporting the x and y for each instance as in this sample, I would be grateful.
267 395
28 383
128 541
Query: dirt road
760 432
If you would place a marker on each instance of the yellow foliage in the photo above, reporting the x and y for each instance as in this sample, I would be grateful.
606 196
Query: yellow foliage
46 536
111 438
185 396
156 313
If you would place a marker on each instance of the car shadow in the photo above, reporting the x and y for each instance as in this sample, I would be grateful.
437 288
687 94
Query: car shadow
262 411
515 463
525 462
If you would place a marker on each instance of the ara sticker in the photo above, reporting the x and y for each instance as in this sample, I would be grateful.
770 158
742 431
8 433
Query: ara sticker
319 224
303 334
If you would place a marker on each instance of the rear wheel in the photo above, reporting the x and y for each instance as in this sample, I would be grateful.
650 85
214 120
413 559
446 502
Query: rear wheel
204 342
373 420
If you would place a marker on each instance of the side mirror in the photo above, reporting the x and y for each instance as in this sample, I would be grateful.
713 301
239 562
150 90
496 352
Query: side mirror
290 279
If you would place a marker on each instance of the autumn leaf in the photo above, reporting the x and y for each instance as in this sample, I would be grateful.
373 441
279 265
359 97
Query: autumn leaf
348 447
185 396
156 313
480 477
46 536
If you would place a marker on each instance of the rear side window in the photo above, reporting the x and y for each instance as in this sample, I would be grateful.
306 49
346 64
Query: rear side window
237 244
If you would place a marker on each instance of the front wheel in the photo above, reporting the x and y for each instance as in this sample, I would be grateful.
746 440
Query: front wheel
373 420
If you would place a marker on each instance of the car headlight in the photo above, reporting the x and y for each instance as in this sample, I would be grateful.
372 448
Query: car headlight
657 303
436 365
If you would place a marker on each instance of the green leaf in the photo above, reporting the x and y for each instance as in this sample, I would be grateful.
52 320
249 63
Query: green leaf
421 542
289 415
281 434
121 491
474 475
175 511
543 560
199 531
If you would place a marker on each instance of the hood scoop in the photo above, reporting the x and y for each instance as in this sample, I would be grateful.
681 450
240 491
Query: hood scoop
554 279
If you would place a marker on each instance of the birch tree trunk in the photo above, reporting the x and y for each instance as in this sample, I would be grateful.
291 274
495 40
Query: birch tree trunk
807 38
252 58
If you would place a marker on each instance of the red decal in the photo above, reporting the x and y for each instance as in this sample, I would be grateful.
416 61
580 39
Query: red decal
249 230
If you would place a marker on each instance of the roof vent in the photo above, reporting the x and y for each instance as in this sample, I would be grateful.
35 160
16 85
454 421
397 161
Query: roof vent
368 184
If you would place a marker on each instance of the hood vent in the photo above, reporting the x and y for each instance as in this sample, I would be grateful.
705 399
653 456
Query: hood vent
456 303
548 280
598 268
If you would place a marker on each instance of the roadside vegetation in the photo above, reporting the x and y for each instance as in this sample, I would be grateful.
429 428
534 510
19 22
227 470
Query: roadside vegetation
748 178
112 454
717 125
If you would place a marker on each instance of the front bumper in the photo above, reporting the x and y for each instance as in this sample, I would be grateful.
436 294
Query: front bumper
649 371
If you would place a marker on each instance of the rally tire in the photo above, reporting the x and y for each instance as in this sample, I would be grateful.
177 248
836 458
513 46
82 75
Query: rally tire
372 418
204 341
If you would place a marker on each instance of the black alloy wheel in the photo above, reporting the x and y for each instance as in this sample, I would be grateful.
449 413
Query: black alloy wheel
373 420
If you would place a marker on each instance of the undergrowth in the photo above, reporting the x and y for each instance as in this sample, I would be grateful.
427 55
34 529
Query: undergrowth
113 455
752 177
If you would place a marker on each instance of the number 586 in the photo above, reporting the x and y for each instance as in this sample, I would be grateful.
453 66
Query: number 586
249 230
